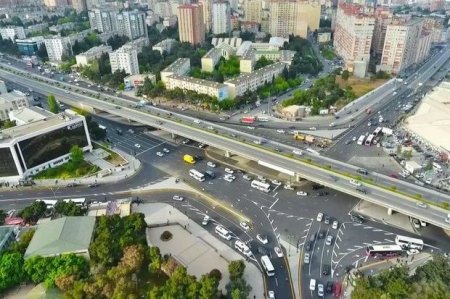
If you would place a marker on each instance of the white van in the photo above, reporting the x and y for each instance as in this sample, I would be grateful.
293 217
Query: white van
197 121
242 248
223 232
312 284
437 167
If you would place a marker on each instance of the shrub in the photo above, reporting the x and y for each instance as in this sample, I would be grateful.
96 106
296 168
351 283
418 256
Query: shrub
166 236
215 273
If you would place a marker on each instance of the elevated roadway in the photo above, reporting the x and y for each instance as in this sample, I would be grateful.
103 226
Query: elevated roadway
334 175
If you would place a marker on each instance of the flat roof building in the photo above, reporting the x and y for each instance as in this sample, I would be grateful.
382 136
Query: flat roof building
30 148
190 23
165 45
125 58
214 89
12 32
12 101
57 47
28 114
138 80
210 59
93 53
180 67
30 46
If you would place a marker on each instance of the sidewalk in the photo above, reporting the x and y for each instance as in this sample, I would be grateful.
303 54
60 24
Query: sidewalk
293 260
412 262
116 173
161 214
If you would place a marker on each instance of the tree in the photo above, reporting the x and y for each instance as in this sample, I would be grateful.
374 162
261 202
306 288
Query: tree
262 62
32 213
208 287
7 124
345 75
11 270
69 209
76 155
155 259
117 41
52 104
21 245
236 269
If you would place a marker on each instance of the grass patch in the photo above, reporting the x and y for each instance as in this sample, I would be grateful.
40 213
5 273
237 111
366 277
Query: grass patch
360 86
67 171
328 54
113 158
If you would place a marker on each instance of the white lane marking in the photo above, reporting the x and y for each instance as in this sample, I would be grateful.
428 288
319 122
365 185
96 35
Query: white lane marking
359 247
387 240
274 203
377 230
388 234
376 242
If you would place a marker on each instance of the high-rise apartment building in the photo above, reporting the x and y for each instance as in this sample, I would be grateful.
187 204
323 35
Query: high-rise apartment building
253 11
79 5
12 32
125 58
308 17
353 37
103 20
221 17
57 47
190 23
383 17
405 43
207 11
56 3
132 24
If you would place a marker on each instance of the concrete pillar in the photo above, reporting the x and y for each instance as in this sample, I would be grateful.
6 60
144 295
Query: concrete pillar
297 177
389 211
173 135
227 154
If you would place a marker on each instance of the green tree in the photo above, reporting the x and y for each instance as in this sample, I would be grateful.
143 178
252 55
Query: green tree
345 75
121 86
236 269
33 212
155 259
69 209
21 245
11 270
262 62
7 124
76 155
208 287
52 104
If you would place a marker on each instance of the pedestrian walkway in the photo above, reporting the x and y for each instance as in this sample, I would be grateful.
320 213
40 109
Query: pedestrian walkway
412 262
187 251
108 174
293 258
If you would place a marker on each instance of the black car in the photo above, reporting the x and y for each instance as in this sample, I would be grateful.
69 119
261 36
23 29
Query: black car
321 234
198 158
362 190
327 220
263 251
317 186
322 193
70 185
326 269
93 185
362 171
210 173
329 287
308 246
357 219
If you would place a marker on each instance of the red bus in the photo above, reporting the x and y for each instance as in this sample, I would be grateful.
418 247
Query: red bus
248 120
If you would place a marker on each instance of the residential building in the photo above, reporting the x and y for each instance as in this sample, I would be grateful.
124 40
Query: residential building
79 5
164 46
245 82
353 37
234 42
30 46
125 58
214 89
234 24
180 67
210 59
12 101
170 21
104 20
207 10
247 60
62 236
134 81
323 37
56 3
93 53
139 43
221 17
423 46
383 17
226 50
308 18
13 33
36 28
249 26
190 23
253 11
57 47
30 148
132 24
401 46
163 9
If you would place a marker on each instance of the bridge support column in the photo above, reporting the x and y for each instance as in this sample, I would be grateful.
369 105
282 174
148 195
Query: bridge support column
227 154
389 211
173 135
297 177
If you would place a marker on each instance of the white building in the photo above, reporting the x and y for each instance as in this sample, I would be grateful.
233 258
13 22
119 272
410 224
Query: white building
239 85
164 46
214 89
12 101
132 24
28 114
104 20
13 33
57 46
138 80
27 149
180 67
221 17
210 59
93 53
125 58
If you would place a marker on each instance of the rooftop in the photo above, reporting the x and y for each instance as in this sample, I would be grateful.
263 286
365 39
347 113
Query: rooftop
95 50
36 126
11 96
177 64
30 114
212 53
63 235
198 81
257 73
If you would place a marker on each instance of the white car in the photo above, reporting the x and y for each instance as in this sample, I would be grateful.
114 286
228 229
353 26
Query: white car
278 251
244 225
211 164
271 295
355 183
178 198
354 139
302 193
288 187
275 182
228 170
319 217
159 154
329 240
205 220
428 181
297 152
166 150
229 178
421 204
250 127
412 251
335 224
262 239
332 125
137 145
313 128
281 131
320 290
247 177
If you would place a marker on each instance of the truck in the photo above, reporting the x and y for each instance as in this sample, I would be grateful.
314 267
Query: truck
248 119
189 159
298 136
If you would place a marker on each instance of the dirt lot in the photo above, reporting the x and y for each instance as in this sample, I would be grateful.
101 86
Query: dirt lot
360 86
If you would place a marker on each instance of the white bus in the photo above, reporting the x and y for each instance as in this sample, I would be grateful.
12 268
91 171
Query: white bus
260 186
267 265
411 243
197 175
361 140
384 250
49 202
369 139
262 118
223 232
78 201
377 131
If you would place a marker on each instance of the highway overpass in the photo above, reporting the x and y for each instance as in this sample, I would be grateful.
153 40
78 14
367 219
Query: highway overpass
242 144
